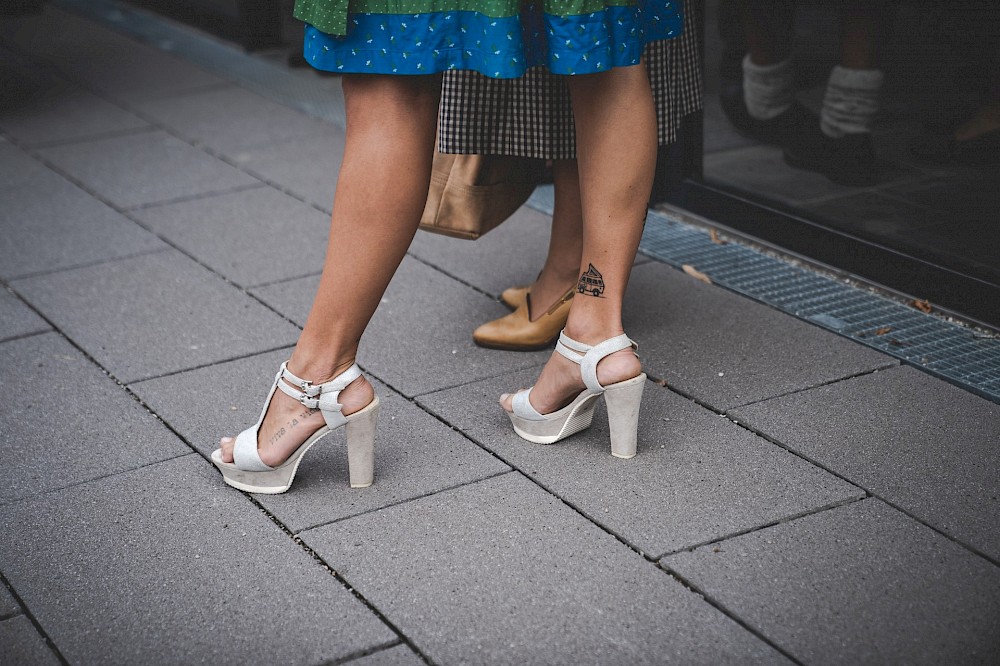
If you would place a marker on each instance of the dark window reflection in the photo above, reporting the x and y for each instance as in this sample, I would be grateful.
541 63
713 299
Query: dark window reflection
880 118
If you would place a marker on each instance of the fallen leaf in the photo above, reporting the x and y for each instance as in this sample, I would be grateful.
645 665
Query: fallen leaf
896 343
695 273
921 305
661 382
883 330
714 235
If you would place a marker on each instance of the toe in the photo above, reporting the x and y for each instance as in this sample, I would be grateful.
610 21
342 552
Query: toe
507 402
226 445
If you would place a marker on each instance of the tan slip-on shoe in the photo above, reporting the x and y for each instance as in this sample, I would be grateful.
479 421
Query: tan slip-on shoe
516 331
513 297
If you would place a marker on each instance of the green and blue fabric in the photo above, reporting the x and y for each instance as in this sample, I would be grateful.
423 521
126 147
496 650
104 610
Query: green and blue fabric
498 38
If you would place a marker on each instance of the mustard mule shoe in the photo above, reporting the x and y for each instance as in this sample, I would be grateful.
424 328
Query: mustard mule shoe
516 331
622 400
248 472
513 297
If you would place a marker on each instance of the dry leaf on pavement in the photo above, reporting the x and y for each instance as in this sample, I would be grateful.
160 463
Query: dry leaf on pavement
921 305
695 273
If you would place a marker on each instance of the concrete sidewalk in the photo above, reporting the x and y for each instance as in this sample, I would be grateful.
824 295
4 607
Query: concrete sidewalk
796 498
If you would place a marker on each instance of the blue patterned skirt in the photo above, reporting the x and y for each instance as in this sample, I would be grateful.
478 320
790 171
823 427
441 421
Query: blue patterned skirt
503 47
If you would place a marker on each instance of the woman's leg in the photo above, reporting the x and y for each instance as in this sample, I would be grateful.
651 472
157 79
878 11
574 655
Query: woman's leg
616 151
379 199
565 240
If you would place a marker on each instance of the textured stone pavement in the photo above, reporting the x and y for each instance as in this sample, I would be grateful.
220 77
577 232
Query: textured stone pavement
796 497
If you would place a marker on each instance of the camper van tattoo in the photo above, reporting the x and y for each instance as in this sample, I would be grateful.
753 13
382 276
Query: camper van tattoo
591 282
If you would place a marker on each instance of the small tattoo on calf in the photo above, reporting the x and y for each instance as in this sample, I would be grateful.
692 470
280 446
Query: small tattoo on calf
591 282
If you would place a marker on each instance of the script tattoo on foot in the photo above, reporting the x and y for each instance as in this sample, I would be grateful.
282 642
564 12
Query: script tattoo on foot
291 424
591 282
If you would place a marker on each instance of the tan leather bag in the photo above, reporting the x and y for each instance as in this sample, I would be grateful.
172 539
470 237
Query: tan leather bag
472 194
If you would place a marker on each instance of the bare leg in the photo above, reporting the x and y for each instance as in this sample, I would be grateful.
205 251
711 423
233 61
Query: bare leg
560 271
380 194
616 149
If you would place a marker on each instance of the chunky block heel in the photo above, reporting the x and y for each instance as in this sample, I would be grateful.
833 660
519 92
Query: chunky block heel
622 400
248 472
361 445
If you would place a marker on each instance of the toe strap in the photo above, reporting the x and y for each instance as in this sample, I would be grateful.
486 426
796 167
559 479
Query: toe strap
245 454
522 407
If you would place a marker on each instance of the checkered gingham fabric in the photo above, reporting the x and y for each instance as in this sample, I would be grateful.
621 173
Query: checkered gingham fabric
532 117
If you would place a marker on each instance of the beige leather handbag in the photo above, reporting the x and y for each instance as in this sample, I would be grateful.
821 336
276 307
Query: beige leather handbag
471 194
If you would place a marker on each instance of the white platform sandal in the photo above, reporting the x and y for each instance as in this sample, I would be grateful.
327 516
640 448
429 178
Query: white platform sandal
248 472
622 400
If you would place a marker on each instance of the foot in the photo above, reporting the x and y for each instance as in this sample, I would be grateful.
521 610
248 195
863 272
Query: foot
560 381
848 160
777 131
288 423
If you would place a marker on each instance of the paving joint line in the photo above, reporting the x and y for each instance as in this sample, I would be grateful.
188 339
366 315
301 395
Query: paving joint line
758 528
22 336
112 475
194 197
502 373
453 277
26 612
252 499
895 363
361 654
722 608
404 501
98 136
869 491
272 283
339 578
88 264
202 366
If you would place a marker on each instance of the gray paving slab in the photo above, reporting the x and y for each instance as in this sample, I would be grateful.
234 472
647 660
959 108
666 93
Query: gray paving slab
415 453
928 447
400 655
307 167
50 224
102 59
91 428
20 643
155 314
17 319
56 111
726 350
145 168
230 120
501 572
511 254
406 345
161 565
859 584
697 477
251 237
8 605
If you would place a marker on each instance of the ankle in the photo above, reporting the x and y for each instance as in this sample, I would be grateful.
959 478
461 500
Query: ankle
318 370
591 334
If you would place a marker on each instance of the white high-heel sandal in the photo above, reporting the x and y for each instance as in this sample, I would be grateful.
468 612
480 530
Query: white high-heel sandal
622 400
248 472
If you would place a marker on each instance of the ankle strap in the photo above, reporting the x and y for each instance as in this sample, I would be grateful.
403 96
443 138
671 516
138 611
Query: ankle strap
316 396
587 356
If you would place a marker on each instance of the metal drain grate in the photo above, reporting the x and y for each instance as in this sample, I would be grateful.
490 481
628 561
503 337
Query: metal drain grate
961 355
